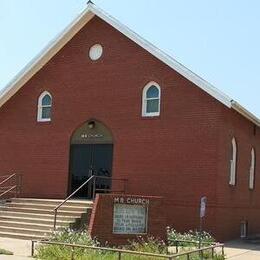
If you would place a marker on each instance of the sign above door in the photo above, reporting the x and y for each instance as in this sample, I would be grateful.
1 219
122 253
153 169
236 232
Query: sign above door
92 132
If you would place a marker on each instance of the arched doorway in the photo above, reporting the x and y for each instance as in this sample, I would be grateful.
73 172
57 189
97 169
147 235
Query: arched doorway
91 153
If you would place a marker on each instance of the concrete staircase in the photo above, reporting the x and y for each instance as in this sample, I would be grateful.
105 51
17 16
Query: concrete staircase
27 218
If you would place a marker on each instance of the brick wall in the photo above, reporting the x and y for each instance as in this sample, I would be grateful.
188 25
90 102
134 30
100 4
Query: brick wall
237 203
101 222
145 149
182 155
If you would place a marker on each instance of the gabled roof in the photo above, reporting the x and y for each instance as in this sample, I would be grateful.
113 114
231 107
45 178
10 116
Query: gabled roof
54 46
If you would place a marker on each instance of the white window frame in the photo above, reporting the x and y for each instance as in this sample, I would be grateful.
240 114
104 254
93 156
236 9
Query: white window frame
243 229
252 170
233 163
40 107
144 100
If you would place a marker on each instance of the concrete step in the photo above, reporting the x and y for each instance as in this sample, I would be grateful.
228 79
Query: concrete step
20 224
29 218
35 215
21 236
54 202
48 221
42 211
26 231
48 206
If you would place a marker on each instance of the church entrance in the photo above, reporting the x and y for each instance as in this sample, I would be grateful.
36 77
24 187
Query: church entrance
91 153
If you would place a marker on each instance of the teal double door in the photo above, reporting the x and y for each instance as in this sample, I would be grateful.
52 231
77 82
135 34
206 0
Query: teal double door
87 160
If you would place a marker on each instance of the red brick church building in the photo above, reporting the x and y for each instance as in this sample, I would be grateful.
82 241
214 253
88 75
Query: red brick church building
102 100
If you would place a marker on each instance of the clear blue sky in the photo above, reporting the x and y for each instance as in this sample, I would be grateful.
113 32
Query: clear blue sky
219 40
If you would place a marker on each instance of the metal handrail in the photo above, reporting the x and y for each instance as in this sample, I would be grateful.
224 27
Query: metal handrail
8 178
94 177
123 251
178 242
192 241
10 189
6 187
107 178
16 187
7 175
71 195
200 251
106 249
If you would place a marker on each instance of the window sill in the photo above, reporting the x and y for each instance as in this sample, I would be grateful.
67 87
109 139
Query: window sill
150 117
44 121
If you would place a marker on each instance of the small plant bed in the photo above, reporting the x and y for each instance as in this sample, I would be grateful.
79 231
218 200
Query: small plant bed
66 252
192 240
5 252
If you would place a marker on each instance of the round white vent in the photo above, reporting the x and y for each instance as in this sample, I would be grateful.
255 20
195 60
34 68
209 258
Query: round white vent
95 52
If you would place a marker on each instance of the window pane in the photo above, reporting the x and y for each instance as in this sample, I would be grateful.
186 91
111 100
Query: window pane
152 92
46 101
46 112
152 106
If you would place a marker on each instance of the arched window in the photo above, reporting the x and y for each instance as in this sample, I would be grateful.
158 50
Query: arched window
233 163
252 170
151 99
44 107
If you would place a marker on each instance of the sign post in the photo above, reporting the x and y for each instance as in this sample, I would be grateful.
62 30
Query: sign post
203 203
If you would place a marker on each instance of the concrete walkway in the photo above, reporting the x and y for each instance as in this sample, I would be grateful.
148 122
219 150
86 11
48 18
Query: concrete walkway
20 248
240 250
13 257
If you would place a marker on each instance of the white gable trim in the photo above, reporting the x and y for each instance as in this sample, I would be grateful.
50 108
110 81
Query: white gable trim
44 56
244 112
37 63
163 57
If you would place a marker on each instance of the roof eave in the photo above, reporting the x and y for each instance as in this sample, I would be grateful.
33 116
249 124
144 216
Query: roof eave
244 112
54 46
45 55
165 58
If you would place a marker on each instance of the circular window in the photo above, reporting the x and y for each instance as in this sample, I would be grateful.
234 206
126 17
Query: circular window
95 52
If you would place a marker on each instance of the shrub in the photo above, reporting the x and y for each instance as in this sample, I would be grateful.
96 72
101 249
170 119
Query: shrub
148 245
173 235
206 239
73 237
63 252
52 252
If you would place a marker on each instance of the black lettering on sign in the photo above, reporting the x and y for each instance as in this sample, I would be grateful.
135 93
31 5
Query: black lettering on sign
129 219
131 200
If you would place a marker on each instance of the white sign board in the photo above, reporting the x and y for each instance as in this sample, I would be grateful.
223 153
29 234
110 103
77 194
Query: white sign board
203 202
130 219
